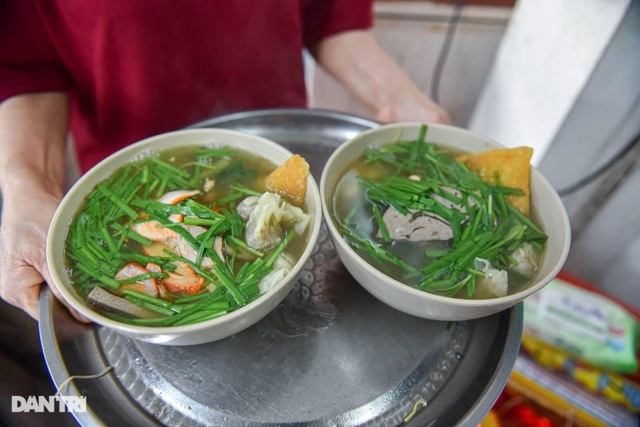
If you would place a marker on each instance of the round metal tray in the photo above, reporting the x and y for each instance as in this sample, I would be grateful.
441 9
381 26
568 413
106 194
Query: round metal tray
329 355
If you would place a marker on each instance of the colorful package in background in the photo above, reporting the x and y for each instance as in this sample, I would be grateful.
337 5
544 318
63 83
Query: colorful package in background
616 388
571 401
585 324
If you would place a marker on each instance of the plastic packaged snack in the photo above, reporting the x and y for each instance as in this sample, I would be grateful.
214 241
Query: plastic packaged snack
567 399
615 388
587 325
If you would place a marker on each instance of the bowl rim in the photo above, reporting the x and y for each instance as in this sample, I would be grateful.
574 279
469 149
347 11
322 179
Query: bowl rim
507 300
59 275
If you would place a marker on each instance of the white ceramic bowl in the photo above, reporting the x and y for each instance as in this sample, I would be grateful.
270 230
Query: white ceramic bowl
546 208
197 333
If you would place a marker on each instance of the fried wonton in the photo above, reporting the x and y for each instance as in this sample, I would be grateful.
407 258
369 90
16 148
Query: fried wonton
290 180
513 167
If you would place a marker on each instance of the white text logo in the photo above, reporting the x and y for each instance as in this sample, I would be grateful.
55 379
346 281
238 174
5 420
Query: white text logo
57 403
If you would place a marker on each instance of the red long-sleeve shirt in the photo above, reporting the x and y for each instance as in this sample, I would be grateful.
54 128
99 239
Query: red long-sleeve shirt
134 68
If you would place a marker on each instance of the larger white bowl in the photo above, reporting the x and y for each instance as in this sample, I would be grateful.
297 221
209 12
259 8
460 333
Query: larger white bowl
546 208
197 333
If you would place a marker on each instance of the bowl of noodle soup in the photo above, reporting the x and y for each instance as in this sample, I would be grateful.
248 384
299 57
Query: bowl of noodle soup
185 237
442 223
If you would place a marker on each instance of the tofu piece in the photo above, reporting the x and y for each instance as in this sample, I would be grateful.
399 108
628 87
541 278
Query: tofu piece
513 166
289 180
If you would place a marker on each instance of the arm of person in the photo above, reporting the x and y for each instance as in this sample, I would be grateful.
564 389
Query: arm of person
33 132
356 60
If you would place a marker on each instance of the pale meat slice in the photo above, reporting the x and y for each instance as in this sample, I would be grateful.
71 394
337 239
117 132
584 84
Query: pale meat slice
147 286
172 240
155 268
419 226
416 226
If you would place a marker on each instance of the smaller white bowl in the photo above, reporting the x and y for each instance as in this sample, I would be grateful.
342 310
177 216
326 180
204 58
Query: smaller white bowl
546 209
197 333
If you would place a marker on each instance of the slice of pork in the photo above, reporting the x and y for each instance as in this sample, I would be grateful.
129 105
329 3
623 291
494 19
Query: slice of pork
416 226
420 226
174 241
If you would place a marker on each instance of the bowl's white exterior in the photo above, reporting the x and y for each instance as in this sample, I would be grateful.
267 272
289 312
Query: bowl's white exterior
547 209
198 333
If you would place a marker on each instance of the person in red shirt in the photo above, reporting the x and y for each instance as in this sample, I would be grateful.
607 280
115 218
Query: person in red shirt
115 72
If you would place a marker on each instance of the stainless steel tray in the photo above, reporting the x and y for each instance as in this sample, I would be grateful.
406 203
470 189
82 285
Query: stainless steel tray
329 355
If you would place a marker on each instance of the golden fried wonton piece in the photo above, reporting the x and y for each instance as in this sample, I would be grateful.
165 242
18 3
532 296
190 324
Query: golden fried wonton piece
290 179
513 166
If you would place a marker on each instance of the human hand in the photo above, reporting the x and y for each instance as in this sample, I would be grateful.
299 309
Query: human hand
355 59
412 106
25 220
